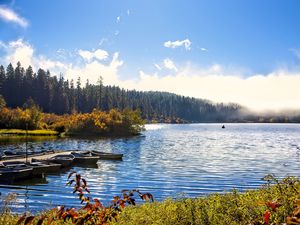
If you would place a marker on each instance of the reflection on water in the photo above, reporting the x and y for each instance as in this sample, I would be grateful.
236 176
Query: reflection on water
169 160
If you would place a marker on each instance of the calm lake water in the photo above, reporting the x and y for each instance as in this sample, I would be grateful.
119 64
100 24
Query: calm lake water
169 161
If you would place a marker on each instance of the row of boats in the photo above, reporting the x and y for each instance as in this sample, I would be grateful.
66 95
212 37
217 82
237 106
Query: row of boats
11 171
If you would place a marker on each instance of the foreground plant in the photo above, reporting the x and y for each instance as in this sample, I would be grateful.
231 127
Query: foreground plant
276 203
93 212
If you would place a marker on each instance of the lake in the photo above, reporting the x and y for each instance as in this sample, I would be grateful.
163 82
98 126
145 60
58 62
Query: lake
186 160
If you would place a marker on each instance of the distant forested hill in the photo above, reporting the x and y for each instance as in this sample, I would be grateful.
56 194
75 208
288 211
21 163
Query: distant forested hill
57 95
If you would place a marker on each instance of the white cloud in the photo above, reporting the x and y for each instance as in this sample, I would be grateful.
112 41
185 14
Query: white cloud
87 55
128 12
275 90
11 16
92 70
20 51
204 49
175 44
118 19
97 54
169 64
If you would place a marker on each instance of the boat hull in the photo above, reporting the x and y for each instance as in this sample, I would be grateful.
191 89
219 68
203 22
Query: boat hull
86 159
9 175
63 162
106 155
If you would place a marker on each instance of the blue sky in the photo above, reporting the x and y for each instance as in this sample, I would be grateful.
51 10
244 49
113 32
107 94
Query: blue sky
176 44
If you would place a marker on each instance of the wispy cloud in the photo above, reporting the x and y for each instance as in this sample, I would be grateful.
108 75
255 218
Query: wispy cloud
11 16
157 66
296 52
117 32
118 19
128 12
169 64
175 44
203 49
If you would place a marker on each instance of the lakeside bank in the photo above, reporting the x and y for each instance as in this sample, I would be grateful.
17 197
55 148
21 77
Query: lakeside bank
277 202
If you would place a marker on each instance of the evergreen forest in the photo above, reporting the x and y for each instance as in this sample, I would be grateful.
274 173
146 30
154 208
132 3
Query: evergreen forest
54 94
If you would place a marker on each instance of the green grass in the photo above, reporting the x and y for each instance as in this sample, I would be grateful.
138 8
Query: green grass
231 208
19 132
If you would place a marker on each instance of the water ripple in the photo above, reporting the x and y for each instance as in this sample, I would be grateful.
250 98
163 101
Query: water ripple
170 161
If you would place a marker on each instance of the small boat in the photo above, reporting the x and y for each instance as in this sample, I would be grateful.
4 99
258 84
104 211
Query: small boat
50 167
38 168
11 174
223 126
65 160
107 155
102 155
81 158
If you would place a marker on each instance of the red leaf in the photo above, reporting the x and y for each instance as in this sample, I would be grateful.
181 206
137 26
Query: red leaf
131 201
75 189
116 198
121 203
50 220
150 196
267 217
21 219
273 205
41 220
70 174
84 183
60 211
28 220
70 182
97 203
78 178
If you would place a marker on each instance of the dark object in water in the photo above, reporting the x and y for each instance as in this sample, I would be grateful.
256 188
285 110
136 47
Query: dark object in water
11 174
49 166
65 160
223 126
38 168
84 158
101 155
107 155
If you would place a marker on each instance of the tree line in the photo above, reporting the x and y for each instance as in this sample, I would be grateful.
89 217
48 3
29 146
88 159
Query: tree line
54 94
57 95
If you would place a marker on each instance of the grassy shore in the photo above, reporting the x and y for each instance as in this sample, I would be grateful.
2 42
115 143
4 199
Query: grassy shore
19 132
271 204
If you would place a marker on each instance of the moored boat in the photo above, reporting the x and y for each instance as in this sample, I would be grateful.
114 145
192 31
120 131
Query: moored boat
107 155
65 160
11 174
84 158
101 155
49 167
38 168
